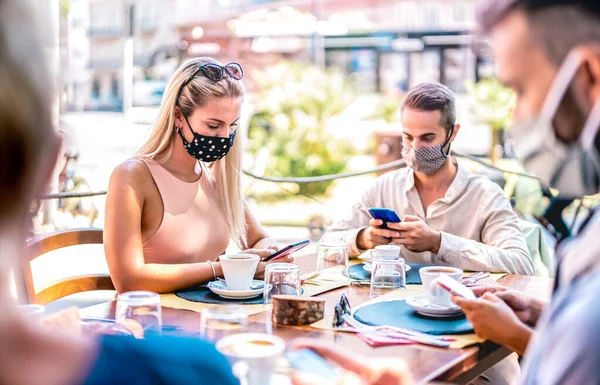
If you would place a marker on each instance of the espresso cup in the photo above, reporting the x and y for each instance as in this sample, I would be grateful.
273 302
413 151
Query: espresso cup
386 251
435 294
252 355
239 270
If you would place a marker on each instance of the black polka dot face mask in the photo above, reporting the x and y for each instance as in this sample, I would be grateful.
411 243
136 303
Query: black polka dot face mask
207 148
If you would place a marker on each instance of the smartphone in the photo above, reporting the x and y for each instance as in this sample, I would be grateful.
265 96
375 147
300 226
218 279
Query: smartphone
453 286
306 360
289 249
386 215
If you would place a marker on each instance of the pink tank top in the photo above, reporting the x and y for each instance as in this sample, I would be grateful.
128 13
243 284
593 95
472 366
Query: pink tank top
193 227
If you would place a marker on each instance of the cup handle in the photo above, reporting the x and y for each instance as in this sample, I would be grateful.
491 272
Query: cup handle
434 290
372 253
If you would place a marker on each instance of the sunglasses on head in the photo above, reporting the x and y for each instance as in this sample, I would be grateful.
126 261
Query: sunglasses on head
215 73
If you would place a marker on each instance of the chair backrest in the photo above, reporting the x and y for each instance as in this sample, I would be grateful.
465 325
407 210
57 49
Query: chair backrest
43 244
541 255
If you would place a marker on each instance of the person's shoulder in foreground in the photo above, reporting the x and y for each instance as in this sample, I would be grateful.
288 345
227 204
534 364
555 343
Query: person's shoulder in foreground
567 347
159 360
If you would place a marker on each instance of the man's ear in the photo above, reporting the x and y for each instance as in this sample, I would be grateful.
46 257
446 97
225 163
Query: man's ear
591 57
455 132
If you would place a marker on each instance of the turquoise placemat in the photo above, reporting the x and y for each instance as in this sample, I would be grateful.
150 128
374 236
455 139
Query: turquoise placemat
203 294
412 276
399 314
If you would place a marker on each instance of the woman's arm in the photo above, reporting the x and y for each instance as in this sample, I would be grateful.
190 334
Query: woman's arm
123 239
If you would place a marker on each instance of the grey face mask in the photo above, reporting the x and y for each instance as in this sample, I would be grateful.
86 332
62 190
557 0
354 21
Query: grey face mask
574 170
427 160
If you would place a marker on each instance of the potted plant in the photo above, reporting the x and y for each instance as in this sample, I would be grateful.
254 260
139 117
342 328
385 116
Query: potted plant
293 104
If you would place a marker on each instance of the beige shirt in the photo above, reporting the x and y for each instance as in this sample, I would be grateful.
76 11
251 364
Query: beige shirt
480 231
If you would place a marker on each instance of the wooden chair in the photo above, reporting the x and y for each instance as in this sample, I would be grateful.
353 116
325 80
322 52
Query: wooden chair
40 245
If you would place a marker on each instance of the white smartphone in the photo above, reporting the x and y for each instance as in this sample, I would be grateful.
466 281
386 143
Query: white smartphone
453 286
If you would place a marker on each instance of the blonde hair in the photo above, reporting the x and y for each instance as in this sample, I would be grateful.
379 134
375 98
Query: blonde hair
226 170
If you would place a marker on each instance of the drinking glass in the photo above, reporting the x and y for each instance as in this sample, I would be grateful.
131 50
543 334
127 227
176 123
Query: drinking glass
387 275
223 320
140 311
281 278
333 256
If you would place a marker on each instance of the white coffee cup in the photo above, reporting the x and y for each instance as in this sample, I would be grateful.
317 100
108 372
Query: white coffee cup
256 354
386 251
239 270
436 294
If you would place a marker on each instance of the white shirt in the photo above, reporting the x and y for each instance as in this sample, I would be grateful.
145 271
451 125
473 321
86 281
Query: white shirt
480 231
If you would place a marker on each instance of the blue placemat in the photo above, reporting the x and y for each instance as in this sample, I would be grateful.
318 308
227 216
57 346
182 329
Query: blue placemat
412 276
203 294
399 314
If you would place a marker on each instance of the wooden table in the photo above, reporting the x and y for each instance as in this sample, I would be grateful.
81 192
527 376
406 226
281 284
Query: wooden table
426 363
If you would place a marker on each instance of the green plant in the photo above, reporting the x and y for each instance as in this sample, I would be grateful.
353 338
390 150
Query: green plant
492 105
292 108
388 108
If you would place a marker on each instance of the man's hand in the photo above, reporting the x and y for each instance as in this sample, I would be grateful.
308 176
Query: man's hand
374 236
416 235
494 320
518 301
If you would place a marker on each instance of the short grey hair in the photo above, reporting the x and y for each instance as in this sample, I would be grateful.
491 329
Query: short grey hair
557 25
433 97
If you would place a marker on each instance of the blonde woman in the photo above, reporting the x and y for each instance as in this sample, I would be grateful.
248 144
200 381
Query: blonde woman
172 210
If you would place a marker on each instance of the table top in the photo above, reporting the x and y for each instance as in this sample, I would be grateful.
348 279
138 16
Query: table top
426 363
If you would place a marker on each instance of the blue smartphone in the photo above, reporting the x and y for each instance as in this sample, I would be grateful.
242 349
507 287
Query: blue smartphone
386 215
306 360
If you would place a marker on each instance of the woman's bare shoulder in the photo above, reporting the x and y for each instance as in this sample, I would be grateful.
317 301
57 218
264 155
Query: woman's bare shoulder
133 173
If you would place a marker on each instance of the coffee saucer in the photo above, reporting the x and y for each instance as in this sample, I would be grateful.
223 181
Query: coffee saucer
368 266
422 306
220 289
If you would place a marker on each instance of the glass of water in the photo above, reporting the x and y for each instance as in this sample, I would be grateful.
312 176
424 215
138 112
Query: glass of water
140 311
387 275
332 256
281 278
223 320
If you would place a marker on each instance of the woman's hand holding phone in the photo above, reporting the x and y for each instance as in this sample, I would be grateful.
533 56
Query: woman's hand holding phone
264 253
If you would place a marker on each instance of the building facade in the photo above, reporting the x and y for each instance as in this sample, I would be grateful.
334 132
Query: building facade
387 45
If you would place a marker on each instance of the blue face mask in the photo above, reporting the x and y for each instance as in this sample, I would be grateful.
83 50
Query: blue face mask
207 148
